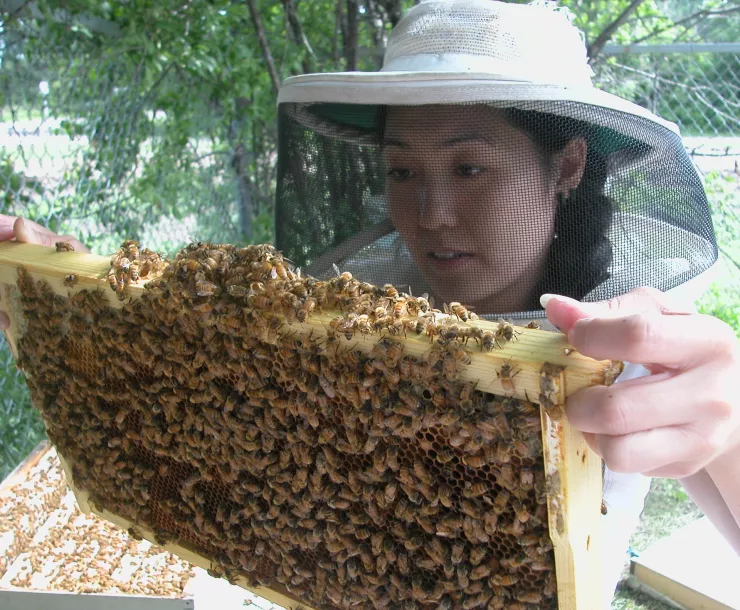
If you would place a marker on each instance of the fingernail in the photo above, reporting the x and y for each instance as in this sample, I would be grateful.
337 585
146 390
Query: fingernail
546 298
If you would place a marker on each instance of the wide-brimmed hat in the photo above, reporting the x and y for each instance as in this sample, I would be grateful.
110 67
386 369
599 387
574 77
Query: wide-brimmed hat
331 204
472 51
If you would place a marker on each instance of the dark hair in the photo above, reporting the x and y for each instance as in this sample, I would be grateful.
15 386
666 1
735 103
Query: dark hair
580 256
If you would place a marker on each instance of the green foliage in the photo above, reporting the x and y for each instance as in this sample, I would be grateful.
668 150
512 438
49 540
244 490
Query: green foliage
16 188
723 298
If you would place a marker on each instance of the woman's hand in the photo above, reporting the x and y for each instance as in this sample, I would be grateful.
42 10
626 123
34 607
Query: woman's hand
28 232
682 416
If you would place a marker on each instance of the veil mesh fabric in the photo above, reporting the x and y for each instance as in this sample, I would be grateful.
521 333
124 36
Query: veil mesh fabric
486 205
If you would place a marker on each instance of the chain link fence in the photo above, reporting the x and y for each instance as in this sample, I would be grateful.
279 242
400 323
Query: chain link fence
696 86
82 151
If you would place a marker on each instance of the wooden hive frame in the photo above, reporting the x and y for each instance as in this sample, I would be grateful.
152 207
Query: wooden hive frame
573 471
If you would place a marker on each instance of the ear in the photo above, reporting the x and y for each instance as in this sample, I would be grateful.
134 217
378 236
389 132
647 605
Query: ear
571 164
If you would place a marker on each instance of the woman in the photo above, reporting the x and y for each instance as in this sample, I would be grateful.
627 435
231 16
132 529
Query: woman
480 165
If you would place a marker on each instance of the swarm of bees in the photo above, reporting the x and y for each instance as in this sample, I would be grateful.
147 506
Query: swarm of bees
347 480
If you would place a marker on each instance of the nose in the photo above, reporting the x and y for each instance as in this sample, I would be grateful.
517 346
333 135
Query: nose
436 206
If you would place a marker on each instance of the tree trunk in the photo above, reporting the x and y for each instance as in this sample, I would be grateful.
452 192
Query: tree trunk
295 25
350 35
240 163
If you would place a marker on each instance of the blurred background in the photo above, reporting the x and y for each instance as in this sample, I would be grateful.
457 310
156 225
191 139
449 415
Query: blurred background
154 120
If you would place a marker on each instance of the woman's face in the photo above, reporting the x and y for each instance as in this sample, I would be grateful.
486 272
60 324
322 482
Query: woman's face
473 200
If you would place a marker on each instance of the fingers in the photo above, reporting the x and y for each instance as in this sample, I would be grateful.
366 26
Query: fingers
564 312
656 401
678 450
6 227
29 232
667 340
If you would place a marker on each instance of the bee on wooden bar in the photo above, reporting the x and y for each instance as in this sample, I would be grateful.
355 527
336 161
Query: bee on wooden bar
506 376
505 332
63 246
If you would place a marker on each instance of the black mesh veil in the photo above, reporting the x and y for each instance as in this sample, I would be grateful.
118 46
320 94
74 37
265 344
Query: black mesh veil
489 204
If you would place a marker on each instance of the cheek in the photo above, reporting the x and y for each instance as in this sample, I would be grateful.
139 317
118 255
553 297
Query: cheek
513 221
404 216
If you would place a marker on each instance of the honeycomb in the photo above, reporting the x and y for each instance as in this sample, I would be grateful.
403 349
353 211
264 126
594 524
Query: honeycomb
340 478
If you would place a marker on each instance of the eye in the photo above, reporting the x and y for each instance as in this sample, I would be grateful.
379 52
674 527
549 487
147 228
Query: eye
399 174
467 169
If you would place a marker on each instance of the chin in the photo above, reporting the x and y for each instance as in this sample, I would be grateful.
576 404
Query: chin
462 293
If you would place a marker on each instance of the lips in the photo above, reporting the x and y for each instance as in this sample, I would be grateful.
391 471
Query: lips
448 255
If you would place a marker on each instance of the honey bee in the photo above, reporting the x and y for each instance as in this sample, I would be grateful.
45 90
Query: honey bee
506 376
422 473
487 341
613 371
458 311
526 478
308 306
474 461
63 246
534 325
506 331
554 411
481 571
448 333
501 501
530 597
490 522
235 290
444 493
206 289
70 280
475 490
504 580
550 378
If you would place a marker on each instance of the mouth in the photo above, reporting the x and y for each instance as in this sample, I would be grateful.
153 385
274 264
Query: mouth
448 255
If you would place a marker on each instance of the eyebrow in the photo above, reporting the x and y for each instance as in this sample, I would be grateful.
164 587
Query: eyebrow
471 137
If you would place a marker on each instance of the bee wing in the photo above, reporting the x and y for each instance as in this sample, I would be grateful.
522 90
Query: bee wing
336 269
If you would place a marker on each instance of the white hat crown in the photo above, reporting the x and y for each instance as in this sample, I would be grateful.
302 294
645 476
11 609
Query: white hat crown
515 42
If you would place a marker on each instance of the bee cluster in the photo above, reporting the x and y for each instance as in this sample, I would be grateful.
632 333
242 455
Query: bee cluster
128 265
344 479
53 546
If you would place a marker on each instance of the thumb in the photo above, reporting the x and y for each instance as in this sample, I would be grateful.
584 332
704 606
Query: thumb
27 234
564 312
